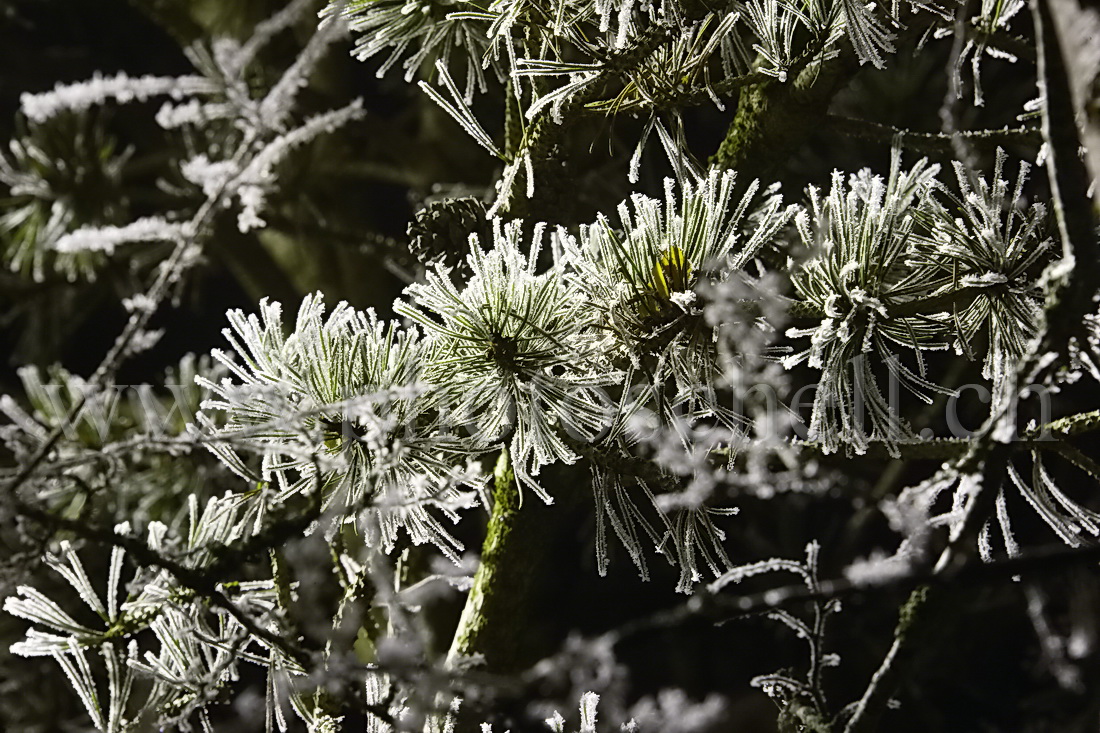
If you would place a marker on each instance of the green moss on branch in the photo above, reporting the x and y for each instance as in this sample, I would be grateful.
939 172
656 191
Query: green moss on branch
493 623
774 118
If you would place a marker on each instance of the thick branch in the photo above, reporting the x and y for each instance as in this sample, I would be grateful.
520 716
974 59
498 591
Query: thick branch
494 621
774 118
1070 296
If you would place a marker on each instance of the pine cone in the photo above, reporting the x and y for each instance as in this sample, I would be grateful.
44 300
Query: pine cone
440 232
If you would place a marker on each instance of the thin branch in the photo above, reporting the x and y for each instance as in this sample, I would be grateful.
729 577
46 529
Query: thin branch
723 608
920 612
170 272
931 142
1040 437
199 581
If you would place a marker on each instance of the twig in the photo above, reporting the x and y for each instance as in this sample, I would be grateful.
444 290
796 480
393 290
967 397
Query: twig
720 609
931 142
170 272
919 613
198 581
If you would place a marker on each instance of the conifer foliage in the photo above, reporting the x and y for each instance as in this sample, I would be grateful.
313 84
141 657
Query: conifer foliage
830 358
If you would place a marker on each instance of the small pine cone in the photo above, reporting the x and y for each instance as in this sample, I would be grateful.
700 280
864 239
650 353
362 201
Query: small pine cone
440 232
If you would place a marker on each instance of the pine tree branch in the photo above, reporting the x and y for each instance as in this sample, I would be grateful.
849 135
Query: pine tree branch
494 639
198 580
920 613
930 142
774 118
547 131
206 581
493 626
487 613
1070 296
170 271
1071 425
935 449
723 608
914 620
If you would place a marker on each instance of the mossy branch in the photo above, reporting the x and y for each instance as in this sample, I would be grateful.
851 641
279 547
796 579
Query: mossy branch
774 118
916 618
492 627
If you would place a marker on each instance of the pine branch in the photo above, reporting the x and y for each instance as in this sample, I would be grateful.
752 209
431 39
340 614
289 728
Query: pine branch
493 636
1070 296
548 130
1071 425
774 118
935 449
931 142
492 620
723 608
171 270
201 582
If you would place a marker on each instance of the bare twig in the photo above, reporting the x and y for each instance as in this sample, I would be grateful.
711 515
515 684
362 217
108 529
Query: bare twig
722 608
932 142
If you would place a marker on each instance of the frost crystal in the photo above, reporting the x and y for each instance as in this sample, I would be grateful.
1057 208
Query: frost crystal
99 90
106 239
